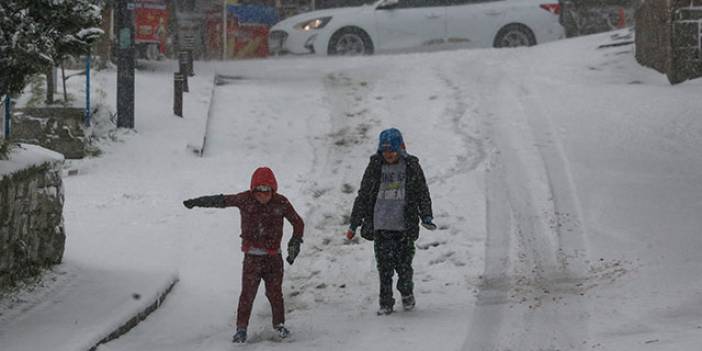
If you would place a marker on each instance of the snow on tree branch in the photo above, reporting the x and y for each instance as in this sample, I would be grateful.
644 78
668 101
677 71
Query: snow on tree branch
35 34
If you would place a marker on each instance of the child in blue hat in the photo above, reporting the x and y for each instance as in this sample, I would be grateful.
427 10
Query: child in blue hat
392 200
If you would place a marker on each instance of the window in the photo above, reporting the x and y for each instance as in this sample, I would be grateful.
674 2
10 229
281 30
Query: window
468 2
406 4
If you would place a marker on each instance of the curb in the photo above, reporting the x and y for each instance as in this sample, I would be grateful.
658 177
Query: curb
219 79
139 317
201 153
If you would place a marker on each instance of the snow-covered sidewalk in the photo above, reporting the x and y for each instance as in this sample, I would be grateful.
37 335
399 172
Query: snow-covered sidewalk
101 291
77 307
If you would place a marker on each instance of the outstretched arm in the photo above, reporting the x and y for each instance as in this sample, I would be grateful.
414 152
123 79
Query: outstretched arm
219 201
205 201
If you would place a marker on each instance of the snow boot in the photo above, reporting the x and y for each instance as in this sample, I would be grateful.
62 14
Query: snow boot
283 332
408 302
240 336
384 310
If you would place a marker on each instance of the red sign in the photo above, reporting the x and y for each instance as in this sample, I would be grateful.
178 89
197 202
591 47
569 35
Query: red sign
251 40
151 25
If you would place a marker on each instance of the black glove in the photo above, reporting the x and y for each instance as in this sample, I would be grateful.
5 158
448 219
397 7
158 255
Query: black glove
293 249
205 201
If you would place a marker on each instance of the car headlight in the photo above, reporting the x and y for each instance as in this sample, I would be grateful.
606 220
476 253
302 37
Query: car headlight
313 24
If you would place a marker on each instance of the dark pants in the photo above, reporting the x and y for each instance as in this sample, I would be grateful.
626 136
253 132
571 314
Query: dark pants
394 253
270 269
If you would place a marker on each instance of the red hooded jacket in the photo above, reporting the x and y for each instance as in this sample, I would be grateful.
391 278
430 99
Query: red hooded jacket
262 224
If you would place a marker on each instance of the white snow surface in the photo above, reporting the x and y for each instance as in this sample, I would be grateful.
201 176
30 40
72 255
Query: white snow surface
566 182
22 156
78 306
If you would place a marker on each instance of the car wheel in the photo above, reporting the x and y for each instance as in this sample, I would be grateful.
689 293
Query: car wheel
350 41
514 35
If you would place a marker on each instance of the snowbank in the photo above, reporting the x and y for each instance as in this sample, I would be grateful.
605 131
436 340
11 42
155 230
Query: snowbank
23 156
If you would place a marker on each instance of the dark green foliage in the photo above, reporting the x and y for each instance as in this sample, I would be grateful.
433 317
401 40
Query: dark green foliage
36 34
4 149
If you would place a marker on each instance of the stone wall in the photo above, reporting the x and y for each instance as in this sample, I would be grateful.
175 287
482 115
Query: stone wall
32 234
669 38
58 129
687 41
653 35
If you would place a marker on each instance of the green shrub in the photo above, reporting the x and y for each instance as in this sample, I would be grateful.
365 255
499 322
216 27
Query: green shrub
4 149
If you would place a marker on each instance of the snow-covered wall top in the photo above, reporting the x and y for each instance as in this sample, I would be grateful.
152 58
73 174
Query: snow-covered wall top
25 155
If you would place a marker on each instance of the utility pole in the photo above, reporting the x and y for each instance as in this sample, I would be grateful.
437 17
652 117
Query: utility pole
86 117
224 30
125 64
8 117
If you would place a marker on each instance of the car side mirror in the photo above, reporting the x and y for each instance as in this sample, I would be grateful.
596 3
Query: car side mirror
388 5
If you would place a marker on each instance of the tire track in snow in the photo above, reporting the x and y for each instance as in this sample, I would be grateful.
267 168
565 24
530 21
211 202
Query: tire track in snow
349 121
565 220
335 155
474 150
529 298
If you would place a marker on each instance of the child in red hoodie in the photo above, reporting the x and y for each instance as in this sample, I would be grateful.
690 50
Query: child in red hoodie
262 211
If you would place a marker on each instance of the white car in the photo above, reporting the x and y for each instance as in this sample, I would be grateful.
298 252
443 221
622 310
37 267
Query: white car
410 25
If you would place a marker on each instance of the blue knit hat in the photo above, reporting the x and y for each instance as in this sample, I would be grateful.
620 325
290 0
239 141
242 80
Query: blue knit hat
391 140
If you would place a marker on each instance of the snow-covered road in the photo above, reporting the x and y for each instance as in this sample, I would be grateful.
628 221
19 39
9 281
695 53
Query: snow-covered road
536 255
565 181
316 127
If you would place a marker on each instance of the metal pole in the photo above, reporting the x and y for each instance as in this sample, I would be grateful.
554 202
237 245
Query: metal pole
183 68
125 65
224 30
191 63
8 117
87 90
178 93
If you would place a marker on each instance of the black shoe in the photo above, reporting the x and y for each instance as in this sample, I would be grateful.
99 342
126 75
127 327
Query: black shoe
283 332
384 310
240 336
408 302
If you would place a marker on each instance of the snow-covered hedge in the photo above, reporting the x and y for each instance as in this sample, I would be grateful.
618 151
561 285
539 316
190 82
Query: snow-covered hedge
4 149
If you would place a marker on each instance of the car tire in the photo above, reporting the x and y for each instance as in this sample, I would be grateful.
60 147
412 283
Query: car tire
350 41
514 35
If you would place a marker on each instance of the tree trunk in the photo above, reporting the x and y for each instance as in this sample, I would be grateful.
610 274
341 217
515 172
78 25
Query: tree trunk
104 45
50 86
63 76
